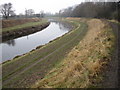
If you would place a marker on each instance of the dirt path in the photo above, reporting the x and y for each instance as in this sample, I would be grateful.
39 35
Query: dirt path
112 71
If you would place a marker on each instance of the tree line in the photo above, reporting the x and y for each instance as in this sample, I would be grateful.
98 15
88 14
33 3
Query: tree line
6 11
106 10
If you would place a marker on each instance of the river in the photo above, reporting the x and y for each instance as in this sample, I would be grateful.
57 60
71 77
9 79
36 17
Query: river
22 45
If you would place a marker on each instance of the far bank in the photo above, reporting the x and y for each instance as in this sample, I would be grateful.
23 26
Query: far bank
17 28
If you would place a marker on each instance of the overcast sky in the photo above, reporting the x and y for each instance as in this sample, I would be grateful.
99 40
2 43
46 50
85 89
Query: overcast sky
38 5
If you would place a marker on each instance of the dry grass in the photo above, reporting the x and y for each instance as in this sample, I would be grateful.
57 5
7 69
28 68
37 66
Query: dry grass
115 21
84 62
14 22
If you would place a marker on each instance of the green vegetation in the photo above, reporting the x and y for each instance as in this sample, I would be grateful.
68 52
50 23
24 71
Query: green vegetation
82 66
70 61
25 70
26 25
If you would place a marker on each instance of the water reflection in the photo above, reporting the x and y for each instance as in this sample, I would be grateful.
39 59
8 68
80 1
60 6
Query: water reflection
0 39
24 44
11 42
27 37
63 25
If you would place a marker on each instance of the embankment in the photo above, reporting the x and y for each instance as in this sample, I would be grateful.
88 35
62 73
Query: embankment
83 65
23 31
112 70
25 70
14 22
75 60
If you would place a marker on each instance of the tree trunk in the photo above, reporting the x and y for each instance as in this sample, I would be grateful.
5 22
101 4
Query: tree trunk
6 17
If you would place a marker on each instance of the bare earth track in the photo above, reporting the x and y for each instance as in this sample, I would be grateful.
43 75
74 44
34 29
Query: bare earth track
112 70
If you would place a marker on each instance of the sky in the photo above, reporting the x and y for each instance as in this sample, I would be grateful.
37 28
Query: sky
52 6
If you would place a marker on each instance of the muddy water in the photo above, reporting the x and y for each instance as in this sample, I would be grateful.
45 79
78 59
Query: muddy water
24 44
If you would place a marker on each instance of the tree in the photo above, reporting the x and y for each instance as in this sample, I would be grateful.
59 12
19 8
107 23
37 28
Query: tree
66 12
29 12
106 10
6 10
42 14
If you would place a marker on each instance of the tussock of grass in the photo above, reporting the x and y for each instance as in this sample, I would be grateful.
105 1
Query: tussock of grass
115 21
85 61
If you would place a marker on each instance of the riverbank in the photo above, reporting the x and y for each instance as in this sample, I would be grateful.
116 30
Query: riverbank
82 66
34 65
15 22
54 30
75 60
112 69
24 29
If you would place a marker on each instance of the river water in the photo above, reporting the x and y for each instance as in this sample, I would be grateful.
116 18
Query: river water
24 44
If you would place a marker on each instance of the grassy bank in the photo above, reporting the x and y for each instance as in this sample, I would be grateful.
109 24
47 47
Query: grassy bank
26 25
82 66
75 60
33 66
13 22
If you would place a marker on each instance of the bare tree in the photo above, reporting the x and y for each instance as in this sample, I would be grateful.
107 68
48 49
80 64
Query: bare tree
105 9
29 12
6 10
42 14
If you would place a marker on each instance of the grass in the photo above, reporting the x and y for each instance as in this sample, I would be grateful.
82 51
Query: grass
82 65
17 27
72 61
114 21
63 45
